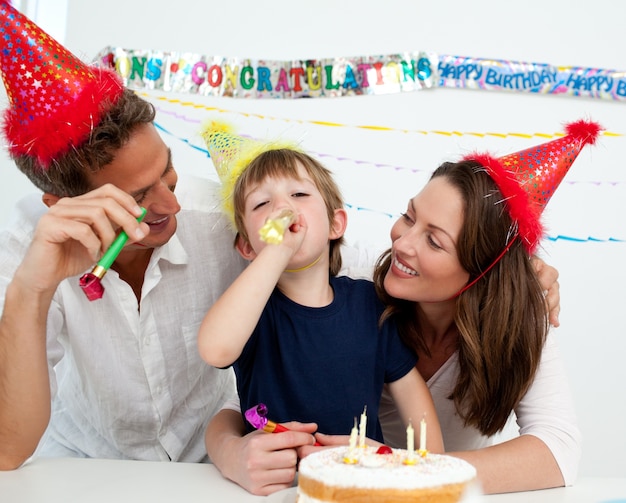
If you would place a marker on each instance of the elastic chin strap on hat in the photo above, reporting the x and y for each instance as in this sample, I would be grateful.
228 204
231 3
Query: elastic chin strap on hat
477 278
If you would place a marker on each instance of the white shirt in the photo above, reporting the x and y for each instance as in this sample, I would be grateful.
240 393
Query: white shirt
546 411
129 383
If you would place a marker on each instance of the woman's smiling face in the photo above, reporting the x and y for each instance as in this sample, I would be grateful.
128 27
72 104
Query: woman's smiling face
425 266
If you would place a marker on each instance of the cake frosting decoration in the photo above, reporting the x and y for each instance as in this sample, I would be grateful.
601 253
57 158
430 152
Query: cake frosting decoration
325 477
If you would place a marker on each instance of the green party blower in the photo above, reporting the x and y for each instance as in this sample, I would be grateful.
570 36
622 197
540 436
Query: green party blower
91 282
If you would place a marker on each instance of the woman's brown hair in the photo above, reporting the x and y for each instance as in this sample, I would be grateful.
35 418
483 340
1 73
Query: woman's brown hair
502 319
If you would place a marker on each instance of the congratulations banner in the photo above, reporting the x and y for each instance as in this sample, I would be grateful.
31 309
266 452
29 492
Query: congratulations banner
333 77
247 78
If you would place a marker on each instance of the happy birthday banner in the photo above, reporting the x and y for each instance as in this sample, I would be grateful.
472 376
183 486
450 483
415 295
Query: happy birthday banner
192 73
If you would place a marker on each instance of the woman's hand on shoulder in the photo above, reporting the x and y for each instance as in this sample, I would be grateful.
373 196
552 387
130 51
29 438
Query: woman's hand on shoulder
548 278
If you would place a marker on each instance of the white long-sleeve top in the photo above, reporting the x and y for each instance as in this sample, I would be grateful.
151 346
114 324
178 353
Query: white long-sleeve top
546 411
128 382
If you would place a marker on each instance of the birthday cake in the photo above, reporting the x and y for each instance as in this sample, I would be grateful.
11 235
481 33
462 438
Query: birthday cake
364 475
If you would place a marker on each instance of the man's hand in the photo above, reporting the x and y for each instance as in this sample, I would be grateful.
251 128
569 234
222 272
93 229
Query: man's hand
548 278
74 234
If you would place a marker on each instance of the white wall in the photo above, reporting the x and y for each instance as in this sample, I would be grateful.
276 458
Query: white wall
51 15
380 170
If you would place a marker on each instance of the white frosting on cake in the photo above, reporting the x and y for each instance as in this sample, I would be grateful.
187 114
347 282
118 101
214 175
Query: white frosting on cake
304 498
384 471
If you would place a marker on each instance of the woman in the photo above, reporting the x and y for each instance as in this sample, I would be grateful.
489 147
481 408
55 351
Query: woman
460 282
480 348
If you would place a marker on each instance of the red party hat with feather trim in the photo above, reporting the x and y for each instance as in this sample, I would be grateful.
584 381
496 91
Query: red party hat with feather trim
527 179
55 100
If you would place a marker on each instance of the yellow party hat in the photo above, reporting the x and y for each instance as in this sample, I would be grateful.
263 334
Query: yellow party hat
232 154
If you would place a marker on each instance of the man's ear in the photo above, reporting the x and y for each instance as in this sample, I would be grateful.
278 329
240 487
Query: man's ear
49 199
339 224
244 248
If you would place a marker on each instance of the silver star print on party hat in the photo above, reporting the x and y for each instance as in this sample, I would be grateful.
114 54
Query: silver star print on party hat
527 179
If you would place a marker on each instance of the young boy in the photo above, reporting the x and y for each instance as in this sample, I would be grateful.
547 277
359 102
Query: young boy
303 341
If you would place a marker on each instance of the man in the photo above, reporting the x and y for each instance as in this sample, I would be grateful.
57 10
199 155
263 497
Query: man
120 376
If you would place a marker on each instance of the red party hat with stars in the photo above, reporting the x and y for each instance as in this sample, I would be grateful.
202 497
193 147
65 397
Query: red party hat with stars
55 100
527 179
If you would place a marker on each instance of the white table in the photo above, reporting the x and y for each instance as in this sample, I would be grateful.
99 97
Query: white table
69 480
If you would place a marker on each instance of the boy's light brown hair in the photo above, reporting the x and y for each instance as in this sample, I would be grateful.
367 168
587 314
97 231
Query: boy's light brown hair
284 163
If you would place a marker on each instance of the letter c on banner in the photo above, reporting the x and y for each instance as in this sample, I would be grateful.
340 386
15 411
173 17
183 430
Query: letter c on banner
198 72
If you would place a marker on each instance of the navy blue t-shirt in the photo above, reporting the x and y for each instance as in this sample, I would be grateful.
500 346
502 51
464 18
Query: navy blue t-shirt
325 364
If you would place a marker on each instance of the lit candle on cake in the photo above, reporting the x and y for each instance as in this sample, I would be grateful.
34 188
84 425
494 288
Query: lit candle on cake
363 427
350 457
410 444
423 450
353 434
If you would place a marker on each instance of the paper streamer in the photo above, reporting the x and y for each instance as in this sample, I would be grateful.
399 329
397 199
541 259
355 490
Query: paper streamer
391 216
192 73
246 115
582 240
393 167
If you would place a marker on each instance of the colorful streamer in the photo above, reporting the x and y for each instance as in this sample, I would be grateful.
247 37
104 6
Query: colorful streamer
480 134
391 216
382 165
